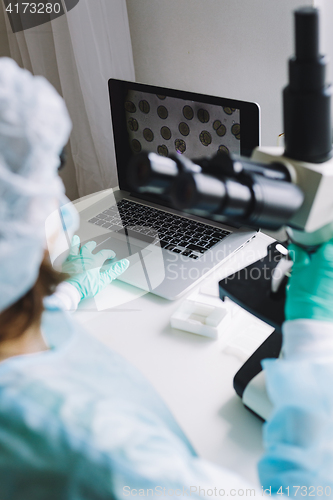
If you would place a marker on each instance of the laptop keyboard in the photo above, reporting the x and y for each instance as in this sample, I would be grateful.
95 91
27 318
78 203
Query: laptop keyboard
176 234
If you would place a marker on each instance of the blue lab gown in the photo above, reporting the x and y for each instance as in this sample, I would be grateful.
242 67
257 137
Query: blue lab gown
78 422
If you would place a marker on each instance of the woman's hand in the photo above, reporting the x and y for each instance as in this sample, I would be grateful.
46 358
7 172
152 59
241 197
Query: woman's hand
85 271
310 287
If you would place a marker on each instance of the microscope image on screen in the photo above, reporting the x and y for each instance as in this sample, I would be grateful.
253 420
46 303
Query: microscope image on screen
168 125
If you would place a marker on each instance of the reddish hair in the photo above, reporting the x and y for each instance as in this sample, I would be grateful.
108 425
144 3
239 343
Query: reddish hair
27 311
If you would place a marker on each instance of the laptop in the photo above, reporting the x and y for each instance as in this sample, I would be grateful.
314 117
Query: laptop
169 251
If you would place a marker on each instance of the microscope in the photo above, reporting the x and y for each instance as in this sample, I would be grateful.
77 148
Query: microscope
275 188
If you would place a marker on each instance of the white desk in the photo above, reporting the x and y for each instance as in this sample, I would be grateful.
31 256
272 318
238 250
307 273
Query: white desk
193 374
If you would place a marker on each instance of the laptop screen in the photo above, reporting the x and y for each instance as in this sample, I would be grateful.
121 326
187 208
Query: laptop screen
168 122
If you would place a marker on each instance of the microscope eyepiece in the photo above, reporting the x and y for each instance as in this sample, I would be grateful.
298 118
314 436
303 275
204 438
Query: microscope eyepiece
307 98
253 200
307 33
151 173
223 187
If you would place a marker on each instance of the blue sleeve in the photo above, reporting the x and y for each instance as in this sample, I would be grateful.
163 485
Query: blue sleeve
298 438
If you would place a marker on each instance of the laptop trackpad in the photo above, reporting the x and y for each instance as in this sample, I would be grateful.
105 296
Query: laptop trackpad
146 269
123 246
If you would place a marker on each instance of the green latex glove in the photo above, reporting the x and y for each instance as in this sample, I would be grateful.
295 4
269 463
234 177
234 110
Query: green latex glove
310 287
85 271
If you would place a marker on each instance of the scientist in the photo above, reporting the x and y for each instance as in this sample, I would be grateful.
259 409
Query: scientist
76 420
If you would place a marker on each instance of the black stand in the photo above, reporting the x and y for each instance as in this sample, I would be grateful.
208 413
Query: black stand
251 289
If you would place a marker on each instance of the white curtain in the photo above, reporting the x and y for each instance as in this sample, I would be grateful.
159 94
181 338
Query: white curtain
78 52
